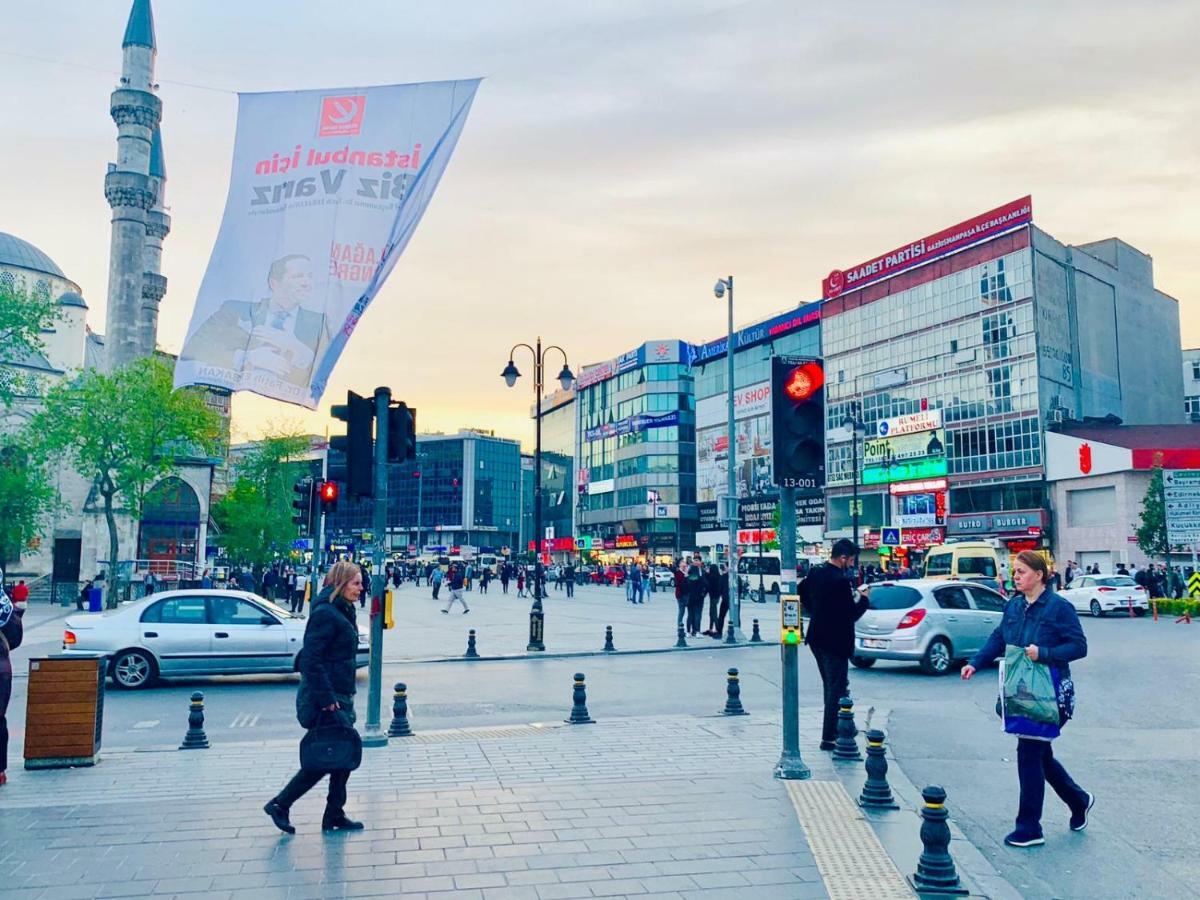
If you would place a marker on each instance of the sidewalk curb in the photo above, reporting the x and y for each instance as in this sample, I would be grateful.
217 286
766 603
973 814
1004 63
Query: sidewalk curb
511 657
899 830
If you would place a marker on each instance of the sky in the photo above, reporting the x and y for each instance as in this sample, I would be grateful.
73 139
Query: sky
620 157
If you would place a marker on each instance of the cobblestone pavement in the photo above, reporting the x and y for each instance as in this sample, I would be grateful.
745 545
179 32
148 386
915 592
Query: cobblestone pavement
676 807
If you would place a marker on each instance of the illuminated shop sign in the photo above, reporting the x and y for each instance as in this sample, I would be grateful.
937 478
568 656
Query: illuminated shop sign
905 471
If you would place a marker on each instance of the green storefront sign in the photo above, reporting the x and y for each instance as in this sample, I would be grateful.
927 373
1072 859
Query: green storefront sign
910 470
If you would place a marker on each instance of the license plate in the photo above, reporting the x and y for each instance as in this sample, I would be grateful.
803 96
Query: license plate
873 644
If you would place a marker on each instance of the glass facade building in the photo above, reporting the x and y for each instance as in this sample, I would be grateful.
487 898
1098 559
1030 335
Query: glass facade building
795 332
635 474
1002 339
461 489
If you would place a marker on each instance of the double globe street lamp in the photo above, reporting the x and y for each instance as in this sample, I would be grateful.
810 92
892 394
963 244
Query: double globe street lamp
565 378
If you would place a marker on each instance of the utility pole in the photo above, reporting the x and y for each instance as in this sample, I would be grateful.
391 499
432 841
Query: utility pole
319 549
373 734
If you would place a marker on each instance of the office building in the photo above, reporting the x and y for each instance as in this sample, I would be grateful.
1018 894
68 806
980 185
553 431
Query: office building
1191 385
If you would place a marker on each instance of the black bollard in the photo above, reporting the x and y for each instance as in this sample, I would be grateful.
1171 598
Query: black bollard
579 710
729 635
471 653
733 695
400 726
195 739
846 747
935 869
537 627
609 647
876 792
679 641
755 637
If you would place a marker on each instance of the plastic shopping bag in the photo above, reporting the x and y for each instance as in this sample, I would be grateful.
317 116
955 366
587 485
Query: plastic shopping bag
1029 701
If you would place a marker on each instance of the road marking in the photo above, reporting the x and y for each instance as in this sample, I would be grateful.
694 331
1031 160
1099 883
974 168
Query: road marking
244 720
145 723
848 855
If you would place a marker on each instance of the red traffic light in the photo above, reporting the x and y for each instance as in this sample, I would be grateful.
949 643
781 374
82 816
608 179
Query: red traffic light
329 492
804 381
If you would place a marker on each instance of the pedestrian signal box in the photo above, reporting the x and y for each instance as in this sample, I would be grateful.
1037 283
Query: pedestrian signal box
791 627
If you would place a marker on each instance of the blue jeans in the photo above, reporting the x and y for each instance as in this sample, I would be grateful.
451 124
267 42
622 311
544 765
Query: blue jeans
1037 767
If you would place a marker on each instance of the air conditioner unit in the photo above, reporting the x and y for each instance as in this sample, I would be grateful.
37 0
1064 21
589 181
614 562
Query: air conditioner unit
1056 416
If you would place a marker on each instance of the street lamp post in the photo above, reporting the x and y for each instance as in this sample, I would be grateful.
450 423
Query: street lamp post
723 286
565 378
855 423
420 492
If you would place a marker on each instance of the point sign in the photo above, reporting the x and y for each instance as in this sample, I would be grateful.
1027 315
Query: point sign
890 537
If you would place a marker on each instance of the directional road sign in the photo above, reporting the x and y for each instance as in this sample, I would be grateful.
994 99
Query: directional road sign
1181 490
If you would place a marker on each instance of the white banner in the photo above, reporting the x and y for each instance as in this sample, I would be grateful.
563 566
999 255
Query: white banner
326 190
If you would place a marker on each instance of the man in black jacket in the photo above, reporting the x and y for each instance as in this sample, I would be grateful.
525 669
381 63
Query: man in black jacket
828 597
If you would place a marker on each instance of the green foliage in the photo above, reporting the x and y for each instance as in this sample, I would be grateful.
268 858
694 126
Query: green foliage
123 431
255 517
1151 533
1174 607
28 498
23 318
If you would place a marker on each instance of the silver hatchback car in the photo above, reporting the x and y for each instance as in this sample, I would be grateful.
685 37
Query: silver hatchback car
927 621
193 632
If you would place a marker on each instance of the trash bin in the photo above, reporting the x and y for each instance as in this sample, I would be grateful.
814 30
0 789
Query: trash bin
64 710
95 604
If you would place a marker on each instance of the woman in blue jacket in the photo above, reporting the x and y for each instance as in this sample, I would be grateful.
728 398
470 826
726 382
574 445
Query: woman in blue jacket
1048 628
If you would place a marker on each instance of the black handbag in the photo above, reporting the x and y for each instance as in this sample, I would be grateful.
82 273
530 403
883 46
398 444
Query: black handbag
331 745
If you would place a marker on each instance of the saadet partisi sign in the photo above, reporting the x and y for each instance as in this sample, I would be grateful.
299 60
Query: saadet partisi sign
326 190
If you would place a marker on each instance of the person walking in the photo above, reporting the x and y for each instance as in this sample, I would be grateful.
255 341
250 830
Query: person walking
680 576
82 598
828 596
366 580
485 578
11 632
505 577
456 590
206 581
436 580
712 583
697 589
638 584
147 585
520 581
569 574
723 610
327 675
1047 626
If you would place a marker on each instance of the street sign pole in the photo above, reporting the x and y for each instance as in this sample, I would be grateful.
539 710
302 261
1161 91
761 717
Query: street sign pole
373 733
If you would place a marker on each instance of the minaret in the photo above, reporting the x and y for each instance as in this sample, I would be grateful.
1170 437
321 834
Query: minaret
128 187
158 225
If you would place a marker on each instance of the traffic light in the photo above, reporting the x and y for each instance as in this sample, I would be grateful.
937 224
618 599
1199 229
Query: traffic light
798 422
402 433
328 492
357 445
302 517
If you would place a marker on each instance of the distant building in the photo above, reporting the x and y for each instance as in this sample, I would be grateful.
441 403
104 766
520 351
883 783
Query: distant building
1191 385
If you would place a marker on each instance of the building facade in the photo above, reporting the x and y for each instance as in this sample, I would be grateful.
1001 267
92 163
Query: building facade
636 464
1191 385
559 448
988 333
795 332
461 490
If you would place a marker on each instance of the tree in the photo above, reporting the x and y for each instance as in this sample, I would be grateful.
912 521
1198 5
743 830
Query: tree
24 316
124 431
27 498
255 517
1151 534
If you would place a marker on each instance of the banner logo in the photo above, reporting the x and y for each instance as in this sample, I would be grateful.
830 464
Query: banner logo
342 115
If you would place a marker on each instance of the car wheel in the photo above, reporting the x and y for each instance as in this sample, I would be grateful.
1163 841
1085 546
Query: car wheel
862 662
1096 610
937 658
133 669
1139 611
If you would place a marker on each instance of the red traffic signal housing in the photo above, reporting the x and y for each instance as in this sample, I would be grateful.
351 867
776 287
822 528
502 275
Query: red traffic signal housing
328 492
804 381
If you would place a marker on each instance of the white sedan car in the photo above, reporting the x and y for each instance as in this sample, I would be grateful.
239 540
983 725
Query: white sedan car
193 632
1101 594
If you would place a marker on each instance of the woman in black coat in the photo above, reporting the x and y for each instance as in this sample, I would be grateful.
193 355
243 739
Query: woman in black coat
11 633
327 674
713 583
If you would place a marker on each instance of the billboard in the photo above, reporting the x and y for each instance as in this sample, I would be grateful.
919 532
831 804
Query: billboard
752 427
326 190
989 224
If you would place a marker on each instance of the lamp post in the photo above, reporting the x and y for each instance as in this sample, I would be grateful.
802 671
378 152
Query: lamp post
565 378
858 428
723 286
420 491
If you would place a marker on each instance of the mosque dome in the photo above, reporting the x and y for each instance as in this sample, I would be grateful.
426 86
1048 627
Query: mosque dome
20 254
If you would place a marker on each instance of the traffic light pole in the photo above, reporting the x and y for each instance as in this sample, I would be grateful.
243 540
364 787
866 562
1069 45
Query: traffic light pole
791 764
373 734
319 550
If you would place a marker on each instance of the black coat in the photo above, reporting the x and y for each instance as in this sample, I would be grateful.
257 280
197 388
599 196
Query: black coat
13 630
327 662
714 582
828 597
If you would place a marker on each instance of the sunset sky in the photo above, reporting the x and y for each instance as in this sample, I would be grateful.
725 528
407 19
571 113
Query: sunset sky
620 157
